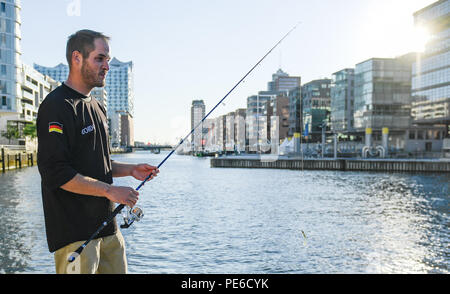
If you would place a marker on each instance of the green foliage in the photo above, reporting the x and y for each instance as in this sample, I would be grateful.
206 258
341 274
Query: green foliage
12 132
30 131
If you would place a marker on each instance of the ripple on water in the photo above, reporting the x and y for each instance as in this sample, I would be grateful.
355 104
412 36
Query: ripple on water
203 220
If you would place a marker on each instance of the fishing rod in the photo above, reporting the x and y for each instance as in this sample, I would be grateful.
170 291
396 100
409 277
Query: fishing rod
135 213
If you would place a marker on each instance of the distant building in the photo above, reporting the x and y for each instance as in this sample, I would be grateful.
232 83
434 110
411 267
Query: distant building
101 95
120 89
230 132
278 115
220 132
295 111
209 134
256 120
281 81
342 101
127 129
316 108
119 86
431 71
197 114
59 73
239 120
383 98
115 128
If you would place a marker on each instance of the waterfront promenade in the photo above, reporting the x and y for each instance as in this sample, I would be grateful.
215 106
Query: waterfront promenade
340 164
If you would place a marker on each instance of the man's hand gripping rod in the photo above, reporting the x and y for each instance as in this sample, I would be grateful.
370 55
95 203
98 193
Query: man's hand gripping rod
116 211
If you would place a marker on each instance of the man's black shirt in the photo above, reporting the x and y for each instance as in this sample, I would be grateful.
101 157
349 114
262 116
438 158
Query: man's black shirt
72 139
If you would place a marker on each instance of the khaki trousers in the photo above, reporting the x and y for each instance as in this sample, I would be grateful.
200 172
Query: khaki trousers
101 256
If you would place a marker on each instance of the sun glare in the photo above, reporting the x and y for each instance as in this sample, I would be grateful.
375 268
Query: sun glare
420 38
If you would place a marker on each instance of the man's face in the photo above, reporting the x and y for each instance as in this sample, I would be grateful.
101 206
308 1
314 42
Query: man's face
96 66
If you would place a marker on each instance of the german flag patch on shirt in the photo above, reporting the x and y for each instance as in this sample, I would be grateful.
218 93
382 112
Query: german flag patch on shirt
55 127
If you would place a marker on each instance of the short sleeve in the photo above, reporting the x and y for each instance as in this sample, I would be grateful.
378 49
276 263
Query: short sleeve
56 133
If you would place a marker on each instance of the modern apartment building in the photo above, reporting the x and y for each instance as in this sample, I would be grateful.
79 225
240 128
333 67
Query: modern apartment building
32 87
431 71
342 101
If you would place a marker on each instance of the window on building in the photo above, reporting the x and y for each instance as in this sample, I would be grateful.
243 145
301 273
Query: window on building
3 100
420 135
437 135
3 7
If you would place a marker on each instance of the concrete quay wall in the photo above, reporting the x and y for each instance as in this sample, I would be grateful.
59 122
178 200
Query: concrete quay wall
336 164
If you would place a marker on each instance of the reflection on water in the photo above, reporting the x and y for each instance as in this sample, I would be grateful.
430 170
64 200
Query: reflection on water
203 220
22 233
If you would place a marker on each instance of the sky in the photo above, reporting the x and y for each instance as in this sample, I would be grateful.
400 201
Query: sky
186 50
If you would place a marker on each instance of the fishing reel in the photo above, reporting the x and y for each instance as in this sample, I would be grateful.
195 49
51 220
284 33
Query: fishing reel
130 215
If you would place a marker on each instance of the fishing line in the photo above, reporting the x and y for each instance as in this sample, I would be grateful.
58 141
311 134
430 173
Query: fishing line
137 214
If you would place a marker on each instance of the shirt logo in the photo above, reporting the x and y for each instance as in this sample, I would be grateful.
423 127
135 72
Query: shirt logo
87 130
55 127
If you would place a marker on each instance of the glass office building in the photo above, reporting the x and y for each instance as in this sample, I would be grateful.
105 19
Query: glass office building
281 81
316 102
342 100
10 56
22 88
383 93
431 72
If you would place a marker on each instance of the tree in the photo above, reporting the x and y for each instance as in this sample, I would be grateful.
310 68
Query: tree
12 132
30 131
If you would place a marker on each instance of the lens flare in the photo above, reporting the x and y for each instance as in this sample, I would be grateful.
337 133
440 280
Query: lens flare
420 39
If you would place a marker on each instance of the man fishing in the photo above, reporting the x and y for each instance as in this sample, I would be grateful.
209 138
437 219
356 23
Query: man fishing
75 165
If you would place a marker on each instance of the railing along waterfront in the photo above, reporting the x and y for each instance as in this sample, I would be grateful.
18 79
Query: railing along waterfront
16 157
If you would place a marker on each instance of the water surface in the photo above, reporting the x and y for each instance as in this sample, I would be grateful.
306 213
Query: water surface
204 220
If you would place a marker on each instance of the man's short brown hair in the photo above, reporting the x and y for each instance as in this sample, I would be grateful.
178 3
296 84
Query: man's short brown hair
83 42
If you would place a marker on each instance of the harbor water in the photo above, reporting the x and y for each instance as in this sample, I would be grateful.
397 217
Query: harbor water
213 220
